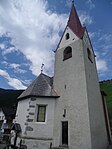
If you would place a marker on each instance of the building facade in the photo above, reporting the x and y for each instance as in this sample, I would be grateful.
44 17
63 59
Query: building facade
65 111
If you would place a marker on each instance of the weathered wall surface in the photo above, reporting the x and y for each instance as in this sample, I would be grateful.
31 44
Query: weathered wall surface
41 129
22 113
76 81
37 144
36 133
96 113
70 84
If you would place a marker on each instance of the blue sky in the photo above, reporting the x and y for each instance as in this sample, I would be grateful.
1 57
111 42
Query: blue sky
30 31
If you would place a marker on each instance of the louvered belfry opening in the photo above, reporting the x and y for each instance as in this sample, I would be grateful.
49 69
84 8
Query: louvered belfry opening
67 53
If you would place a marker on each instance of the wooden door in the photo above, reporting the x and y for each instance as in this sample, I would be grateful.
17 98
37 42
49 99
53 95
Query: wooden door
65 133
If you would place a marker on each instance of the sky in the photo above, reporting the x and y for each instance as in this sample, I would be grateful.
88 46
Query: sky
31 29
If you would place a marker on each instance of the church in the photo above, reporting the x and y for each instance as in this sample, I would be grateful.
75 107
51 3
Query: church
66 111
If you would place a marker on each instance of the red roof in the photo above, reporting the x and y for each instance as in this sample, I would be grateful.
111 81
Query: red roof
74 23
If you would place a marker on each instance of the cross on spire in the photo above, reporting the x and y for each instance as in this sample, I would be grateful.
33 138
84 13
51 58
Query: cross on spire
72 1
42 68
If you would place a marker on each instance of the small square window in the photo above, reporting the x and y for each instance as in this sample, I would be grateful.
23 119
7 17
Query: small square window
41 114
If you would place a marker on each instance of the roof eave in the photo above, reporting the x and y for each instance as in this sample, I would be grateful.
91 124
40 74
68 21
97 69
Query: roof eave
38 96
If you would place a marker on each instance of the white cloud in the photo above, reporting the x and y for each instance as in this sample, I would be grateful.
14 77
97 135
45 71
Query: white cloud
27 82
17 68
12 81
2 46
34 30
14 66
4 62
101 64
91 34
85 18
21 71
106 37
90 4
106 40
8 50
68 3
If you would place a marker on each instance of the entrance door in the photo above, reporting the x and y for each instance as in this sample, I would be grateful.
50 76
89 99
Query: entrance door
65 133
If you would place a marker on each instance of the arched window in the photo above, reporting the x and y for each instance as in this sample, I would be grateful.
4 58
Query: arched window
89 54
67 36
67 53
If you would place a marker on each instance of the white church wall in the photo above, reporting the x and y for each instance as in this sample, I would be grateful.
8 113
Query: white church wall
22 113
76 81
72 38
42 130
36 134
70 84
37 144
96 113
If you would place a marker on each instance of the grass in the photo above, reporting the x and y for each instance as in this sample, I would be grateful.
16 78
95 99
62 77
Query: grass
106 86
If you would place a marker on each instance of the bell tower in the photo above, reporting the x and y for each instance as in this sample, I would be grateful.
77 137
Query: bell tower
79 117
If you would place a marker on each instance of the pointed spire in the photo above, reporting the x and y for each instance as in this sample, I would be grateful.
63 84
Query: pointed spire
74 22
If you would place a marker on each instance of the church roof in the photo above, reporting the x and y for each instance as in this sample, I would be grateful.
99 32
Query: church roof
74 23
40 87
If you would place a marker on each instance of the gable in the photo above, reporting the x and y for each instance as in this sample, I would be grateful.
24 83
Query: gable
65 42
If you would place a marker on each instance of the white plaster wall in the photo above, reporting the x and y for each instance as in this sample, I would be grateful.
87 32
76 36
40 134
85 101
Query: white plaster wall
37 144
76 81
22 112
73 98
41 134
42 130
72 38
2 116
96 113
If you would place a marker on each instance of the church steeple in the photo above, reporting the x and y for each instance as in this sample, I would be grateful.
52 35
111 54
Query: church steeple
74 23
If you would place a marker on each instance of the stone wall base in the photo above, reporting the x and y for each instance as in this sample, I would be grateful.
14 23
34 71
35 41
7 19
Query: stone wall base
37 144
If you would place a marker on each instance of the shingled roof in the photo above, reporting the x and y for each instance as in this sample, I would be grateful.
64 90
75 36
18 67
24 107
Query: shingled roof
40 87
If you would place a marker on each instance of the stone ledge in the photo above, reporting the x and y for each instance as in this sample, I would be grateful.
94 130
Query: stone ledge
34 138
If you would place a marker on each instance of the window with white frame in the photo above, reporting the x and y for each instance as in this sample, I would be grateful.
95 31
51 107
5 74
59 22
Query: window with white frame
41 113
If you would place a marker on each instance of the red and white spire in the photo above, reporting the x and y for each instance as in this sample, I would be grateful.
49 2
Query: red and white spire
74 23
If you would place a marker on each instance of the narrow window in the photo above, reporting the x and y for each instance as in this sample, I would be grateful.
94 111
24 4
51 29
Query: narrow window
41 113
67 53
67 36
89 55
